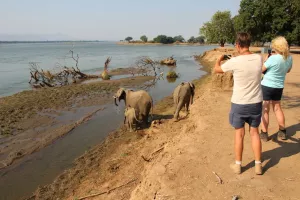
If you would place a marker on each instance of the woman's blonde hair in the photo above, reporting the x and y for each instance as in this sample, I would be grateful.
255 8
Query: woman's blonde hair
280 45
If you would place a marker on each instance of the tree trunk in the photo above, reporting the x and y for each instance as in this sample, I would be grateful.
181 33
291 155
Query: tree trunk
222 44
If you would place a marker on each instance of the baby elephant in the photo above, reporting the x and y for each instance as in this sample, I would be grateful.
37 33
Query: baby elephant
183 96
130 117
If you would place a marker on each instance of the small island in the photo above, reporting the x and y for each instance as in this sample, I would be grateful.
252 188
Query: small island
164 40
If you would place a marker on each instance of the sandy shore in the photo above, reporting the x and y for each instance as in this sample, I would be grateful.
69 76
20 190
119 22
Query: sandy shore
176 160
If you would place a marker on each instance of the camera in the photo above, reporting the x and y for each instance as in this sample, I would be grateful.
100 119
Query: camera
227 57
269 52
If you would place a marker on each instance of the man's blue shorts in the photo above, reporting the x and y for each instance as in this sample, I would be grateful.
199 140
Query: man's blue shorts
245 113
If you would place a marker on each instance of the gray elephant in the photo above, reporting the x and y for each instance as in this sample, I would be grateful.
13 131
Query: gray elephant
140 100
183 95
130 117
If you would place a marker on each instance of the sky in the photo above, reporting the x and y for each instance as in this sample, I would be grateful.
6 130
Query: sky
105 19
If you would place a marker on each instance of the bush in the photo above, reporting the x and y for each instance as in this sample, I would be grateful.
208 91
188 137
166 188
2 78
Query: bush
172 74
164 39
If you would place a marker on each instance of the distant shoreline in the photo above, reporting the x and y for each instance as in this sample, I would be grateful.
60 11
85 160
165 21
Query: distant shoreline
156 44
52 41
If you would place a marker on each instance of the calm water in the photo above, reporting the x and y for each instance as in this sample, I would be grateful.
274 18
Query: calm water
15 58
40 168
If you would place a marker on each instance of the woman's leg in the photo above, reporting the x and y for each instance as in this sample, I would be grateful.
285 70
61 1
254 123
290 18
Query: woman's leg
281 134
265 116
279 114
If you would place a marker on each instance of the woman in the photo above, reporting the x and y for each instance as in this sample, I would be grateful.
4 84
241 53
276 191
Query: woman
276 68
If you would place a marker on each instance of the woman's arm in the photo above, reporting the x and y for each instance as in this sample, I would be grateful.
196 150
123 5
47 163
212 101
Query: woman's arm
263 69
290 66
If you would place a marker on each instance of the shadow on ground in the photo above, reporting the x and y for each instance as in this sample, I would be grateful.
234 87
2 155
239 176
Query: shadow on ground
291 102
287 148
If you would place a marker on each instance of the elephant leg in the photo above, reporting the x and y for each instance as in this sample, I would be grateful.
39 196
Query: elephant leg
175 107
179 107
144 121
187 108
187 105
130 126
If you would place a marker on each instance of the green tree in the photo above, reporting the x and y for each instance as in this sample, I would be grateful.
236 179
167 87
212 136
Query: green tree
192 40
163 39
128 39
144 38
265 20
200 39
219 29
179 38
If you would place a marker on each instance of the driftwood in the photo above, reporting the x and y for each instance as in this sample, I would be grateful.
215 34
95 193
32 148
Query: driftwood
152 155
108 191
104 75
66 75
218 177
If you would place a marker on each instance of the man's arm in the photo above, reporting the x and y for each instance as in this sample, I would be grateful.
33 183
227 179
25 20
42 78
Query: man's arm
218 68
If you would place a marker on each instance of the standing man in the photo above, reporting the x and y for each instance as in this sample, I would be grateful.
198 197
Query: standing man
246 101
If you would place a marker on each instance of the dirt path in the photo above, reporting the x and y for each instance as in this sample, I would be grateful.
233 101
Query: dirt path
176 160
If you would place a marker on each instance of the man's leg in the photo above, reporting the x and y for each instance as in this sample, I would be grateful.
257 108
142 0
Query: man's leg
256 146
239 143
238 148
256 143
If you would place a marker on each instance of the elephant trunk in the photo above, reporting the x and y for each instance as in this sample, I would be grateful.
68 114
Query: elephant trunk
115 100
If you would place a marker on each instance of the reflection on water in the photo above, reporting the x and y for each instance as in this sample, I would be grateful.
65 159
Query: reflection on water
40 168
171 80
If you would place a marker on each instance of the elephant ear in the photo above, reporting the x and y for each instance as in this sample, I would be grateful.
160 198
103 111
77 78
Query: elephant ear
192 85
119 94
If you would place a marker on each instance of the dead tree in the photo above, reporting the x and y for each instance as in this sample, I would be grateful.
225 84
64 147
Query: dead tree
40 78
148 67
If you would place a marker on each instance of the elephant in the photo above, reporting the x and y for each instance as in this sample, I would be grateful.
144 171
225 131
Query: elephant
140 100
130 117
183 95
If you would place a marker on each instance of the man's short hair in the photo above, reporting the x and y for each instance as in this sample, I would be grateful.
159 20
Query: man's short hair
243 39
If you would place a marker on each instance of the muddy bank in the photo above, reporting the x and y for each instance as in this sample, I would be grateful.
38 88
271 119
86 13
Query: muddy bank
32 119
120 152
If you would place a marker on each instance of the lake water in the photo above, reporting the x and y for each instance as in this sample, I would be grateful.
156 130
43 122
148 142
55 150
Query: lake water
15 58
40 168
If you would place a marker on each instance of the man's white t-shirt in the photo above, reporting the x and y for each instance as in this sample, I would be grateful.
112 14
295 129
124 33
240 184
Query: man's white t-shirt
247 78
